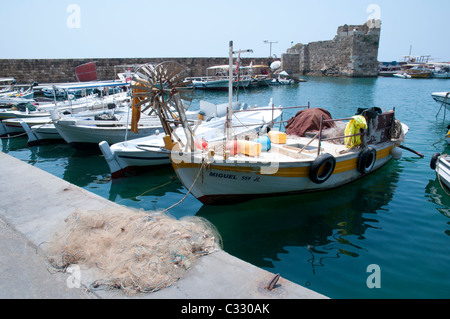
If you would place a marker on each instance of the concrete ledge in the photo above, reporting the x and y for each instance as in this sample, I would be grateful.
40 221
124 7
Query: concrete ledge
35 203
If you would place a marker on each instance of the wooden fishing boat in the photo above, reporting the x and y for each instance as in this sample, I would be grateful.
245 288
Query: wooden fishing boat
292 165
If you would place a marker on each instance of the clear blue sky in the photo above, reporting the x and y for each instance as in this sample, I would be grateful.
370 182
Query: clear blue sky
203 28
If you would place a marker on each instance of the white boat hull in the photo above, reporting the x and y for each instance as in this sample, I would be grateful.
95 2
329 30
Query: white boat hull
220 184
442 98
39 133
90 136
207 84
443 170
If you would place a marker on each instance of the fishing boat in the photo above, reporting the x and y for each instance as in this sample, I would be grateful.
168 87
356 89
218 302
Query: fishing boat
19 118
320 153
39 133
388 69
6 84
441 165
217 79
282 79
259 75
441 71
412 71
41 129
14 125
85 133
10 96
149 151
294 164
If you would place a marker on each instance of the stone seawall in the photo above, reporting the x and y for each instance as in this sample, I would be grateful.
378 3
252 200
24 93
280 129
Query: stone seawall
63 70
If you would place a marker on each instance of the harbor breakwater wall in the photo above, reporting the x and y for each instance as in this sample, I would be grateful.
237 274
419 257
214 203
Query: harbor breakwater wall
352 53
63 70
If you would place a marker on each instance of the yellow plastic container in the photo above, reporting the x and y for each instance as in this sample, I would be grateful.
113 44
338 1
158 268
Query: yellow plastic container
277 137
249 148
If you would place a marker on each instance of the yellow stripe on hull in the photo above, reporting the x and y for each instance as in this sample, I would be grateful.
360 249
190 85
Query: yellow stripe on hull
297 171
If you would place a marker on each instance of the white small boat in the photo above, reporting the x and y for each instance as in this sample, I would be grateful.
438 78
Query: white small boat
14 125
441 71
414 72
26 109
87 133
282 79
10 96
39 133
441 165
149 151
42 128
402 75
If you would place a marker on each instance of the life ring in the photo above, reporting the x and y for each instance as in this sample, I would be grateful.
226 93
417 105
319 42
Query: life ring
322 168
433 161
366 160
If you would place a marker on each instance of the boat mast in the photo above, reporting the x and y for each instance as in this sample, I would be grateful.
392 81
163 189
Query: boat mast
230 92
230 87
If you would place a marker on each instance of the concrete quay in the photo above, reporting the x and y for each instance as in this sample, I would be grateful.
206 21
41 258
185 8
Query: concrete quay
34 204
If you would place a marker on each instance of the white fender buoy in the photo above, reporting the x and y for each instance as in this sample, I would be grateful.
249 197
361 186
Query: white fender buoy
396 153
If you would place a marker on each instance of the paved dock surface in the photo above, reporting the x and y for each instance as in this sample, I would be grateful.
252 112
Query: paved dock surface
34 204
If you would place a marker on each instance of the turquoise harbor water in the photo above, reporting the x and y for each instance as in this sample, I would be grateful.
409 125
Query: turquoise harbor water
397 218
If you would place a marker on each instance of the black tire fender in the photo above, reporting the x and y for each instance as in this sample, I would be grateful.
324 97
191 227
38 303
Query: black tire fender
322 168
433 161
366 160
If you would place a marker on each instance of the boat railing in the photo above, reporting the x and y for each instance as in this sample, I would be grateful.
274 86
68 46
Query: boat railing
320 133
273 108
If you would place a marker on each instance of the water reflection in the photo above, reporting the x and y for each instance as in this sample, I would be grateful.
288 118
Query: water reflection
155 183
438 193
328 224
85 168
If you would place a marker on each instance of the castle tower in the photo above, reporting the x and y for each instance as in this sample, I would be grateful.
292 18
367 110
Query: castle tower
353 52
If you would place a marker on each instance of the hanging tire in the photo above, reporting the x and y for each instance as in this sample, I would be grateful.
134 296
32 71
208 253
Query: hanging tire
322 168
366 160
433 161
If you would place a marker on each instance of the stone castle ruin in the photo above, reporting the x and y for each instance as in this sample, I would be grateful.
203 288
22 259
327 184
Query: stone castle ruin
353 52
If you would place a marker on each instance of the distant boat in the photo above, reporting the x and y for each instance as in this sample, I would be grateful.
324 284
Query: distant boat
441 71
388 69
217 79
415 73
10 96
282 79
